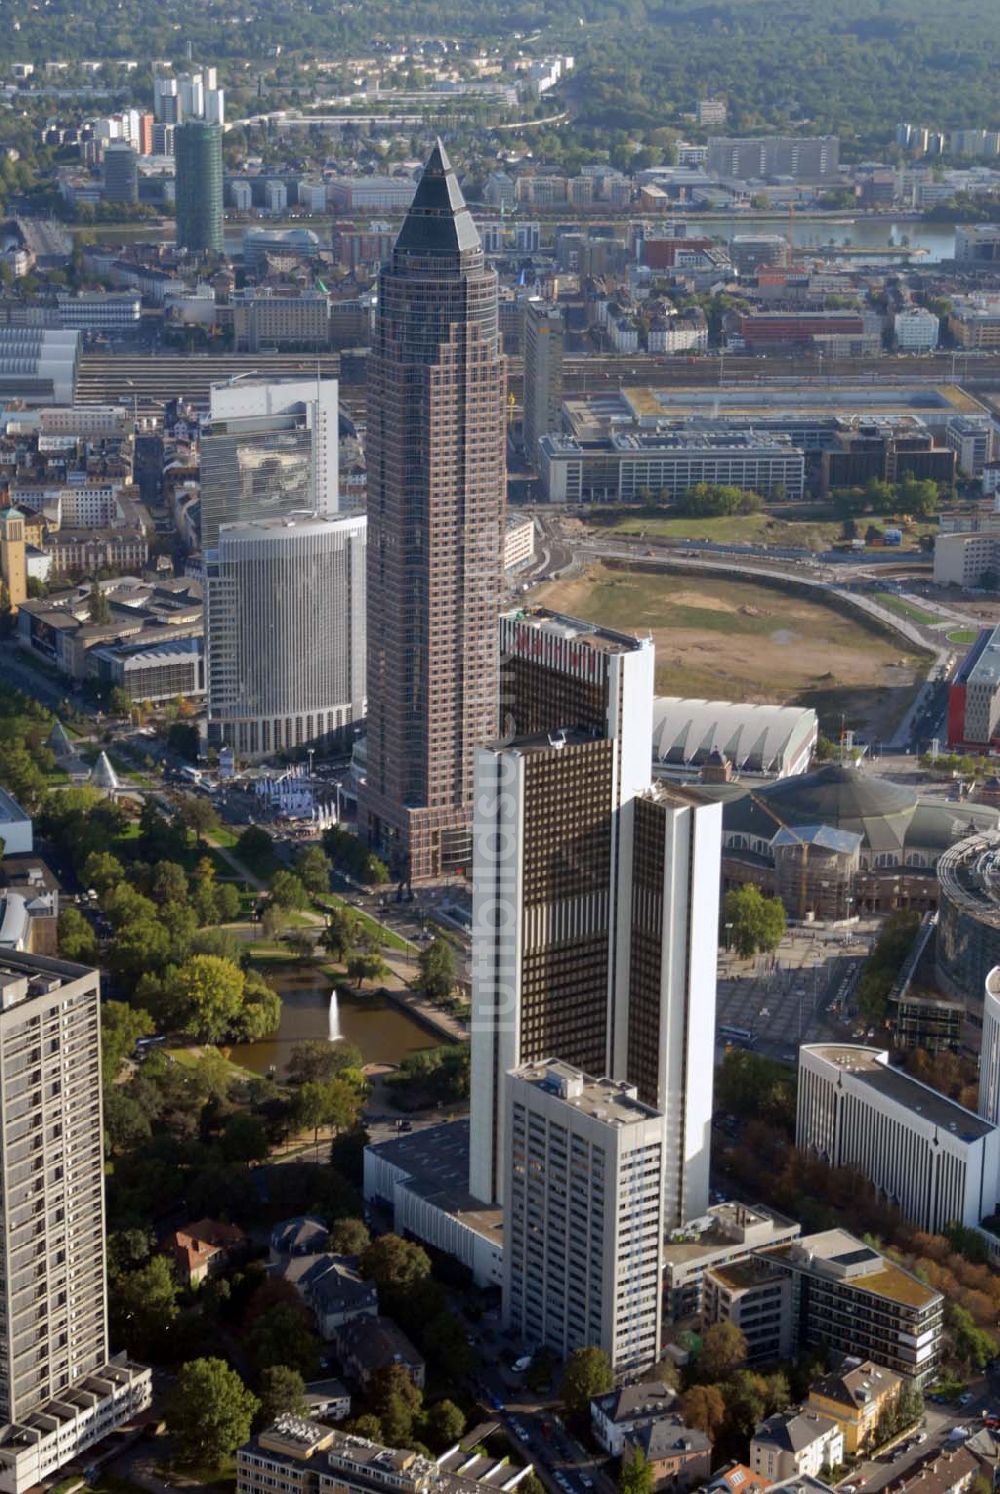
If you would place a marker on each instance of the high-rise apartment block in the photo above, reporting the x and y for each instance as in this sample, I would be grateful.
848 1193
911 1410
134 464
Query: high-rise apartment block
544 346
436 492
59 1392
595 900
268 449
285 626
805 158
584 1218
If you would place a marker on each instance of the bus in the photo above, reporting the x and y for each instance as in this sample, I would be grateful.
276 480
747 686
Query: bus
741 1035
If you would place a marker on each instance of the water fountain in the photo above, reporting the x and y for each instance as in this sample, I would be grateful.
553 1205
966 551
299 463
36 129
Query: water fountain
334 1031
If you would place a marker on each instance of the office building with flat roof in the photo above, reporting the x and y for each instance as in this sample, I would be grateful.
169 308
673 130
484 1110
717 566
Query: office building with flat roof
595 896
268 448
285 624
974 692
727 1233
622 465
59 1391
584 1215
544 346
198 202
829 1291
937 1162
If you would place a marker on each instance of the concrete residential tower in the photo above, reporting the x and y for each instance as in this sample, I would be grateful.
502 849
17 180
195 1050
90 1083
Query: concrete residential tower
584 1220
59 1392
436 487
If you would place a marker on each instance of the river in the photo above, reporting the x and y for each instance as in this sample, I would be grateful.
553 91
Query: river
383 1032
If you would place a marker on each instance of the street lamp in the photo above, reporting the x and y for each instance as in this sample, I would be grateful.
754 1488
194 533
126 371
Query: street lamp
729 929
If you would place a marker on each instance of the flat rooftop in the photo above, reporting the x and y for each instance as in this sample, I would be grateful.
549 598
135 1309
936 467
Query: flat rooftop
791 402
870 1066
437 1161
857 1265
611 1101
577 629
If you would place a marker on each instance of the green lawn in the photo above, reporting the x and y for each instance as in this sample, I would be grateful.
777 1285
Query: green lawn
740 529
386 936
962 635
901 608
187 1059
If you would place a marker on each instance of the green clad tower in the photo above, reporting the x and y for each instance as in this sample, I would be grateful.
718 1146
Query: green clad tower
198 161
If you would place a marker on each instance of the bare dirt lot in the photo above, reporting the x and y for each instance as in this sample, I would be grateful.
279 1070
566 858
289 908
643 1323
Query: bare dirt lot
734 640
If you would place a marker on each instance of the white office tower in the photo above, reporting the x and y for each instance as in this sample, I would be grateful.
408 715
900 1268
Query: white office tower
595 898
59 1392
285 629
268 449
165 100
989 1051
584 1219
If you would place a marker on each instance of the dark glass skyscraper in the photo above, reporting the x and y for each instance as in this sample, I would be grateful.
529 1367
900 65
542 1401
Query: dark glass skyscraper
198 163
436 489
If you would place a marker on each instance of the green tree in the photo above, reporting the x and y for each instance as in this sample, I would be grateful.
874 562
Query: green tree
437 969
349 1237
362 967
587 1374
445 1424
326 1102
340 937
636 1475
99 606
102 871
283 1335
395 1265
198 814
318 1059
282 1392
77 940
209 996
753 922
170 883
144 1308
244 1138
723 1350
973 1346
210 1412
312 867
121 1028
254 845
288 891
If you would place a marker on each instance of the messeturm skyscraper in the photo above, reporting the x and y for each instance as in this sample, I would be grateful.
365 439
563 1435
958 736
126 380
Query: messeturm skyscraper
436 489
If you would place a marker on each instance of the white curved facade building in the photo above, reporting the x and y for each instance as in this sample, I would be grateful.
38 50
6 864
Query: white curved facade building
285 633
989 1051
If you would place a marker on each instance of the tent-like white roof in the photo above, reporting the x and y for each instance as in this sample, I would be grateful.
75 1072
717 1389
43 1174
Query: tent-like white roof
772 740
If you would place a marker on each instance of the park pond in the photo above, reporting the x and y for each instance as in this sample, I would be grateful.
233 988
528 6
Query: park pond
383 1031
